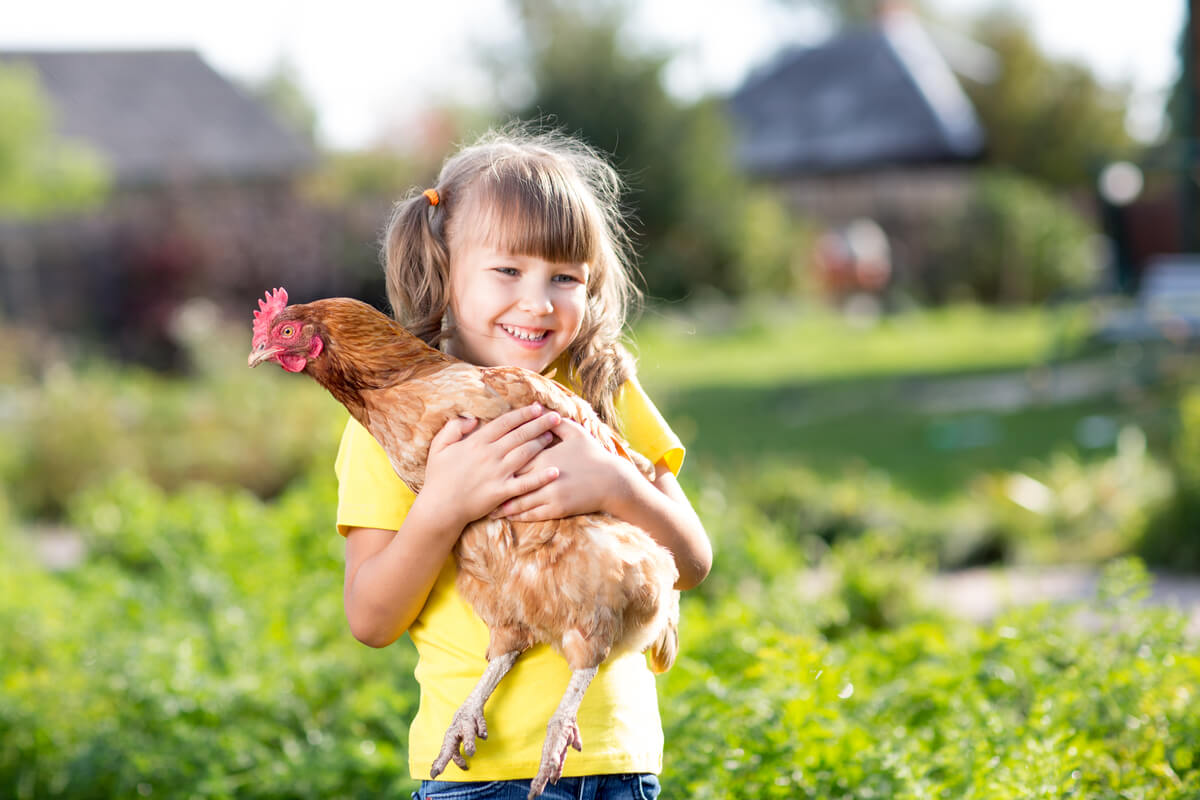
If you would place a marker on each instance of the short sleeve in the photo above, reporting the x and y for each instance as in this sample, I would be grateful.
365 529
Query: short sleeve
370 493
645 429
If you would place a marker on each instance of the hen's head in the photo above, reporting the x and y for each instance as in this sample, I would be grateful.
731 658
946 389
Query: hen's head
283 335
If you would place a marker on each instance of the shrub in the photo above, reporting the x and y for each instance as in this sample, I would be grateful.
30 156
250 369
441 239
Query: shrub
75 426
199 651
1045 702
1169 533
1012 243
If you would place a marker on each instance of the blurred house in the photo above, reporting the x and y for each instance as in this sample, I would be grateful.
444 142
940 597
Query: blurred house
869 126
203 201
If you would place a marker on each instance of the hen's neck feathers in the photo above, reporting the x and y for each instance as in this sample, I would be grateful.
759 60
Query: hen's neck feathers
364 349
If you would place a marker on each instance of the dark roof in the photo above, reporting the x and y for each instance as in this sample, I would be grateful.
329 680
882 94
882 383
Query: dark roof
874 96
155 114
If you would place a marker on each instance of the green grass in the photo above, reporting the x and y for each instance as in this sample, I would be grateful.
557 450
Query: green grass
810 388
769 346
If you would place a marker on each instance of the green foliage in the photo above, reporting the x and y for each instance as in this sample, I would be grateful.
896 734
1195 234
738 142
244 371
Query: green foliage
1050 120
1013 243
40 173
1061 511
1044 702
283 94
75 426
199 651
1169 536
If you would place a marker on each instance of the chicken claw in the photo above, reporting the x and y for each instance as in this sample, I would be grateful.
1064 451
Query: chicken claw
561 733
467 725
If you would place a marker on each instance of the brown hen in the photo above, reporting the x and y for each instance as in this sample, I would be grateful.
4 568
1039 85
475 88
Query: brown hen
587 585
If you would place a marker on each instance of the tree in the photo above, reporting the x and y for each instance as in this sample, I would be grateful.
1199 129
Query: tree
40 173
1045 118
282 93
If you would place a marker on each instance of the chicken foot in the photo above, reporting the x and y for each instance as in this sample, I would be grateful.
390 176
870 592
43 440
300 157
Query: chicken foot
468 722
562 731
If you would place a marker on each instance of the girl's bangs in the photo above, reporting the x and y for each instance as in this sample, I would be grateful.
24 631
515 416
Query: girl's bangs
537 212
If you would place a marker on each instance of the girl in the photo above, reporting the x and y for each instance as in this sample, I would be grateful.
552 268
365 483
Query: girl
517 257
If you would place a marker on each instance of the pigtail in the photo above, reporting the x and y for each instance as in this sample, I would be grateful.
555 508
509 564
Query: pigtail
599 362
417 266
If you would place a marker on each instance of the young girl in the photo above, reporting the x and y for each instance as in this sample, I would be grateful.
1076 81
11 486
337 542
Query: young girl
517 257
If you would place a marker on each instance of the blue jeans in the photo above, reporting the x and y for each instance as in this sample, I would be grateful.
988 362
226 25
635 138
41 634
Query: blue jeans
588 787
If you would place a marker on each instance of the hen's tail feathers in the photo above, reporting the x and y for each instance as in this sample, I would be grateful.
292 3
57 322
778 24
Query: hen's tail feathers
665 648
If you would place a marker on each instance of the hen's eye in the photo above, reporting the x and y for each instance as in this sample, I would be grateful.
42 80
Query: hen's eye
288 330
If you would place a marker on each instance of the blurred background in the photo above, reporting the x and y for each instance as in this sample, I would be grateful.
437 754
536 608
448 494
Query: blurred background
922 299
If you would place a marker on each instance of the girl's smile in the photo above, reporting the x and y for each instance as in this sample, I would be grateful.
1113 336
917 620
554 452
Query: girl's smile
526 336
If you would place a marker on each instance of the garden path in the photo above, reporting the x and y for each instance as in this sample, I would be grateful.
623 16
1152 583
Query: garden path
981 594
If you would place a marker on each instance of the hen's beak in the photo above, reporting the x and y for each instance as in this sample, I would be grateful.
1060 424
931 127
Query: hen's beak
263 353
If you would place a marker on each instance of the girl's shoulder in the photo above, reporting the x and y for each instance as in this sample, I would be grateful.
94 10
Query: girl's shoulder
370 494
644 426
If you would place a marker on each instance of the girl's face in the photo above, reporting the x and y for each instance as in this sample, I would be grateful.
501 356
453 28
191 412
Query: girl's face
511 310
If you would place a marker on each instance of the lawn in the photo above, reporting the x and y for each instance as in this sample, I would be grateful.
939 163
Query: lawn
930 398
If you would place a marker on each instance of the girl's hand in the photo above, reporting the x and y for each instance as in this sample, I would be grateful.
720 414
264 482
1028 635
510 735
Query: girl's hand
473 469
589 479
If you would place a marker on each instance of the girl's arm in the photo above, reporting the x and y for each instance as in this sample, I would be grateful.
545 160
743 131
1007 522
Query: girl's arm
389 574
593 479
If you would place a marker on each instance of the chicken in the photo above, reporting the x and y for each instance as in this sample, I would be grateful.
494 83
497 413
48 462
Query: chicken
588 585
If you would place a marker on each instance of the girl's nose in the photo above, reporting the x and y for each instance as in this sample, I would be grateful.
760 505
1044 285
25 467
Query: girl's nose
536 300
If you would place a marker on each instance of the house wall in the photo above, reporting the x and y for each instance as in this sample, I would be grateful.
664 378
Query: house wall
118 275
907 203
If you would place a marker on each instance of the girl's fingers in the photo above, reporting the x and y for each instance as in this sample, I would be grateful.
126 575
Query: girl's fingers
454 430
531 431
531 482
506 422
540 513
519 457
543 500
570 429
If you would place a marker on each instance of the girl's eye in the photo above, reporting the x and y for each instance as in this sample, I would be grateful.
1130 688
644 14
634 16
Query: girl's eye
507 270
564 278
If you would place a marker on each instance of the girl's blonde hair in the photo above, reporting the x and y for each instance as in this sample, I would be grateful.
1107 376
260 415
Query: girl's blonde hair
538 194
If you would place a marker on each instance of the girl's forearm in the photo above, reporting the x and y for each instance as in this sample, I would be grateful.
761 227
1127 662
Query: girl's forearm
662 510
390 588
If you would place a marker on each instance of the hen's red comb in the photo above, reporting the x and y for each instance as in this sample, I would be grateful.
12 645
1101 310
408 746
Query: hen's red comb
273 303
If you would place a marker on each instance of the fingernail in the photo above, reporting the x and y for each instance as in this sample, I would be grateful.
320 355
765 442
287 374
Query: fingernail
546 437
537 407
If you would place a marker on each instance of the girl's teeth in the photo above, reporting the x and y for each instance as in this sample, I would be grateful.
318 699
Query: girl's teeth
529 337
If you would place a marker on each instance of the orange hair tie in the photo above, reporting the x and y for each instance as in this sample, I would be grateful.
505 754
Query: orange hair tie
432 195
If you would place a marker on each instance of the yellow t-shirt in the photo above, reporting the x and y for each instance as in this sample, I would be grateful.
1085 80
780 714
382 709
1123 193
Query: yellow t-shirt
618 719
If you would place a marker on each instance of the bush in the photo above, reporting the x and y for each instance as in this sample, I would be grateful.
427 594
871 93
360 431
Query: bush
1046 702
1169 533
75 426
776 516
1012 243
200 651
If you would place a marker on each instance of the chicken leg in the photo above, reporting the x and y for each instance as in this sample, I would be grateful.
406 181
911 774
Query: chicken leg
468 722
562 731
